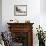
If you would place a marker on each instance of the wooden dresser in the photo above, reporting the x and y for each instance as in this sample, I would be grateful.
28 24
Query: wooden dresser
22 33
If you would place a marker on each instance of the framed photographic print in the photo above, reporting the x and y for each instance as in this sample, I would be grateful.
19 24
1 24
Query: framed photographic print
20 10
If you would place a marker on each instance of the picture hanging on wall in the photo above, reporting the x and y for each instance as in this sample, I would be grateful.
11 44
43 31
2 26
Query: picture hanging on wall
20 10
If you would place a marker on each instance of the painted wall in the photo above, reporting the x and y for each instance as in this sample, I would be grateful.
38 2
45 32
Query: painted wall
33 11
0 15
43 6
43 14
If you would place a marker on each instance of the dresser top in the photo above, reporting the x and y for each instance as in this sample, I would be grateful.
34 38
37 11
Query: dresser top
19 23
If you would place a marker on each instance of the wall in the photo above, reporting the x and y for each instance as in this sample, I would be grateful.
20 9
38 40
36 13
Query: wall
33 11
33 14
0 15
43 14
43 6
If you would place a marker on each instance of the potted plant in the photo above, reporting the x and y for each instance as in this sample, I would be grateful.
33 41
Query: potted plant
41 36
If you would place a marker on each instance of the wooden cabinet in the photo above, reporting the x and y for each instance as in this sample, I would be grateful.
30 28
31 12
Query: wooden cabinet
22 33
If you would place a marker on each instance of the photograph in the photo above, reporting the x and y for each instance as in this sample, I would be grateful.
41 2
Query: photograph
20 10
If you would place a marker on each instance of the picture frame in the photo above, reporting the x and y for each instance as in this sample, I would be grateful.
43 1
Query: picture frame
20 10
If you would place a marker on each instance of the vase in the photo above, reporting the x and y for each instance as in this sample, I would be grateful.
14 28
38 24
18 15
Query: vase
41 43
